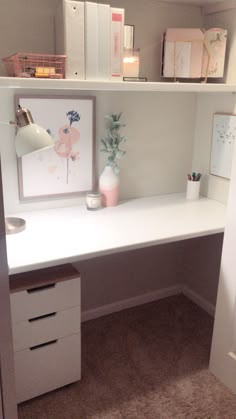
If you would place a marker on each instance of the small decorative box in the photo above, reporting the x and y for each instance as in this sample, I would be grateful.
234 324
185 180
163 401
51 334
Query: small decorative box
35 65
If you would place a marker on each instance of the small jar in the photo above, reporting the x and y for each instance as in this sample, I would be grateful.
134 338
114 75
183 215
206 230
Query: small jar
93 201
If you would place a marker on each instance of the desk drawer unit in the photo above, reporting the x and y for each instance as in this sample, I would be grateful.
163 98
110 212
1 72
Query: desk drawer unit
45 307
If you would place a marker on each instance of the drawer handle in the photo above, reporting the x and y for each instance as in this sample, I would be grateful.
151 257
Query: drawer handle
44 316
42 288
51 342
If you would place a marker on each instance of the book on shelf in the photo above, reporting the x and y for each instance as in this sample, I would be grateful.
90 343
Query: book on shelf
97 41
91 40
91 35
69 28
117 16
103 41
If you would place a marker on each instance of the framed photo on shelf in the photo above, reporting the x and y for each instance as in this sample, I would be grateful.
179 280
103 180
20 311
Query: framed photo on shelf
66 168
128 36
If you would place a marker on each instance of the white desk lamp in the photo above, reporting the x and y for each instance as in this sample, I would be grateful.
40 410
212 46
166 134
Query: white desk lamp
30 137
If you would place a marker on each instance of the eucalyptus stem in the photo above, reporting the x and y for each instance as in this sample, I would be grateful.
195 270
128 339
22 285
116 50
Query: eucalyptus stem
111 142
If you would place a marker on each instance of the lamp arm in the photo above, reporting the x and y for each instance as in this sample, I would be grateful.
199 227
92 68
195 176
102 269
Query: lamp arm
9 123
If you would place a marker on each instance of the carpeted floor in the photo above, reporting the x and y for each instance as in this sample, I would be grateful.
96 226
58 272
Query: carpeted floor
150 362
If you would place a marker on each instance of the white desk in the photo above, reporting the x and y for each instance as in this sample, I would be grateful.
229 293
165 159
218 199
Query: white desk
63 235
58 236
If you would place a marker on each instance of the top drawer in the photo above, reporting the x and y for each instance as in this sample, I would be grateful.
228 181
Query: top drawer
45 299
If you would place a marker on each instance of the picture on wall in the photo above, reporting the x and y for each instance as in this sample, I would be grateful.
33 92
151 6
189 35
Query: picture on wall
66 168
223 140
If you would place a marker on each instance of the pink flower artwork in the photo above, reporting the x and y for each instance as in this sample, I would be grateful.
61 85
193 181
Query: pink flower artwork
63 148
75 156
68 136
52 169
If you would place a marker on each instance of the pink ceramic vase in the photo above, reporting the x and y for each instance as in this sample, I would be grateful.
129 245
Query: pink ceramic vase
109 187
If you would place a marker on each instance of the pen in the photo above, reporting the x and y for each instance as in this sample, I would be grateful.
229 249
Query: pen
195 177
198 176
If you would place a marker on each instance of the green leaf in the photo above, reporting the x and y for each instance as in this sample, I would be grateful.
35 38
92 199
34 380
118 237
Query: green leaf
116 169
120 154
104 143
113 138
114 116
109 117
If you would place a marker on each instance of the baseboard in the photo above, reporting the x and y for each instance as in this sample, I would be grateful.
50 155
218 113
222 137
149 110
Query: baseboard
199 300
130 302
148 298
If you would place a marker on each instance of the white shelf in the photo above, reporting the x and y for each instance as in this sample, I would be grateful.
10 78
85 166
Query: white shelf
63 235
66 84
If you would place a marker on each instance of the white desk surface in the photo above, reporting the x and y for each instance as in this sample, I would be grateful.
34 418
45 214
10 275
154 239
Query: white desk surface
70 234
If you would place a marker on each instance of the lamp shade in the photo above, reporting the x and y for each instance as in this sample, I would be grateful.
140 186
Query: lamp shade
30 138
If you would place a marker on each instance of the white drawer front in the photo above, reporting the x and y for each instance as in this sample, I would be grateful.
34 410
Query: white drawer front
48 367
43 300
40 330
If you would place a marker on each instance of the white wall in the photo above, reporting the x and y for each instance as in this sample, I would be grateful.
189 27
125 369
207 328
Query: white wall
160 131
151 18
194 263
201 273
30 27
159 148
159 126
122 276
214 187
200 266
26 26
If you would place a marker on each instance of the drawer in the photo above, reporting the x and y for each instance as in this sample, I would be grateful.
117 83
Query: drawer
45 299
43 329
45 368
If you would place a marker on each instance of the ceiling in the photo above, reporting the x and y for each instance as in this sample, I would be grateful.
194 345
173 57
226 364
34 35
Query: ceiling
195 2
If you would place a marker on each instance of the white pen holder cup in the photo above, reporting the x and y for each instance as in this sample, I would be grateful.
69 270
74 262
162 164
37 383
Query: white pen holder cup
193 189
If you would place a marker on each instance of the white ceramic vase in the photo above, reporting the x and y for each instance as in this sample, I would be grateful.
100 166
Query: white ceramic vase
109 183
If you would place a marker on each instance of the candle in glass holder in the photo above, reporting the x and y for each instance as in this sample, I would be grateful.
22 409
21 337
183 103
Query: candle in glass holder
131 63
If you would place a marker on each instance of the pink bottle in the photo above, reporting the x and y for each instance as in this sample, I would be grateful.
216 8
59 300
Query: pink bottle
109 187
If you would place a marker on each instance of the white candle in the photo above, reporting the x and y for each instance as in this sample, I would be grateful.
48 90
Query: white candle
131 66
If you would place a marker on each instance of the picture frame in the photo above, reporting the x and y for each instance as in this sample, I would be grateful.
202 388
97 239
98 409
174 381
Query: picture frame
67 168
129 36
222 145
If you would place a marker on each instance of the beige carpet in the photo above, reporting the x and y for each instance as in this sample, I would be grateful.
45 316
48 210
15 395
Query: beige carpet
149 362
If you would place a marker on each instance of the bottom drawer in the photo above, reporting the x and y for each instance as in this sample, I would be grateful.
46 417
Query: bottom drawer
47 367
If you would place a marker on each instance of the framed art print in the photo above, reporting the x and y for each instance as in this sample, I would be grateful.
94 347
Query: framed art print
66 168
223 140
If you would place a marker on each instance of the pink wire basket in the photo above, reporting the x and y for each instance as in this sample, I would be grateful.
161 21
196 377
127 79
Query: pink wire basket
35 65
